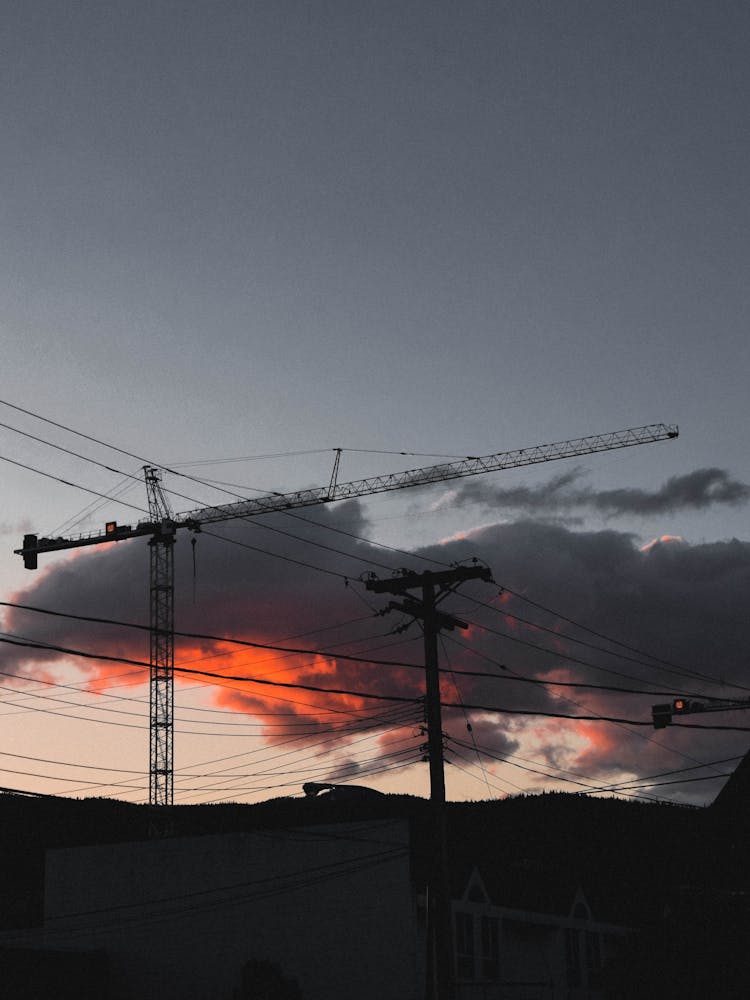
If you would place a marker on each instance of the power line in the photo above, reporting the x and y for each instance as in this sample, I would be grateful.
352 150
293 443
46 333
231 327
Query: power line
643 781
577 659
358 694
667 665
543 682
296 651
172 492
186 635
67 482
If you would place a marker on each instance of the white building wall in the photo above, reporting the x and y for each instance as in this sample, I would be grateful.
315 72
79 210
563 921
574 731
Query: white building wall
178 918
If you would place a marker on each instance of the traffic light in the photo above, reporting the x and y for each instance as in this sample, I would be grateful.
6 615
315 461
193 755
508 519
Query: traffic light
662 714
683 706
30 551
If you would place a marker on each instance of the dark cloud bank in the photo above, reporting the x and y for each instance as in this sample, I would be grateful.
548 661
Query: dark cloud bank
684 605
696 490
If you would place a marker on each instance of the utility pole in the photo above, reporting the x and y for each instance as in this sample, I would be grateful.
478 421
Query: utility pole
434 588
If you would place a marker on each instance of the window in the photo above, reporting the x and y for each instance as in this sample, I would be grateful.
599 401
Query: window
490 948
594 958
464 945
573 957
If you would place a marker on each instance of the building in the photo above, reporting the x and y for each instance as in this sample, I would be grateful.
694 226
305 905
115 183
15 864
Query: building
512 943
337 907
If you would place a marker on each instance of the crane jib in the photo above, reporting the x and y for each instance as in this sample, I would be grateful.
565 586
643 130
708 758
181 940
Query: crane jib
472 466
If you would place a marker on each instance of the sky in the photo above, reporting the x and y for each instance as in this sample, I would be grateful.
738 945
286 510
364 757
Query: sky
239 235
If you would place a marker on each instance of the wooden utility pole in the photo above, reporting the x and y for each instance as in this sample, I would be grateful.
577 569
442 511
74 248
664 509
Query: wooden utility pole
434 587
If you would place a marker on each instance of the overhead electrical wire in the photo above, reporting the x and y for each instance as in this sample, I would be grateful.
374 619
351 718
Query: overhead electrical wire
472 766
314 771
143 461
369 772
589 786
567 657
312 751
364 694
296 651
465 713
238 642
271 752
580 780
664 664
375 725
175 906
302 746
544 682
650 739
264 729
67 482
114 495
643 781
188 635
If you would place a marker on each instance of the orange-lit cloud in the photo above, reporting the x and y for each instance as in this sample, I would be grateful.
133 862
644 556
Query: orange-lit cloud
663 540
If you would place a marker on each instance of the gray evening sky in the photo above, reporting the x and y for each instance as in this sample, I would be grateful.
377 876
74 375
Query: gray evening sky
249 228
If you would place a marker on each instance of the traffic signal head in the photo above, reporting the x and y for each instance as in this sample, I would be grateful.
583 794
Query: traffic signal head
661 715
29 551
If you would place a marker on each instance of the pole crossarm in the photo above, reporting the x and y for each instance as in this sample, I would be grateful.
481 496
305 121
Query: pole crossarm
414 610
441 578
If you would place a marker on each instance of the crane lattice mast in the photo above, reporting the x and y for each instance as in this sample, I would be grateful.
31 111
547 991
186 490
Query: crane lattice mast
161 634
161 529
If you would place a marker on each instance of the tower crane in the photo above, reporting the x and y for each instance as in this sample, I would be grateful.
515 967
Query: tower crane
161 529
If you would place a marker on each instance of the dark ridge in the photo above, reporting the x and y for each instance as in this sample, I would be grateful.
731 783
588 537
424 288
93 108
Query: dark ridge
625 855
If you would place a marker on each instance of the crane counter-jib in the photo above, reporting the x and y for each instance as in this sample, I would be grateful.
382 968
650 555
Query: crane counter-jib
113 532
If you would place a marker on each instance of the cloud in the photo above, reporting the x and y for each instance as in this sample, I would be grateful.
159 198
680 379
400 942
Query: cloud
696 490
16 528
679 609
